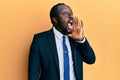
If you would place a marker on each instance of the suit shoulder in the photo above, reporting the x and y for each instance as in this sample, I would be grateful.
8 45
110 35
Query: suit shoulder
43 34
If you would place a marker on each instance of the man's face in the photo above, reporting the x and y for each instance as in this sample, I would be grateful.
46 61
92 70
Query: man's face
65 17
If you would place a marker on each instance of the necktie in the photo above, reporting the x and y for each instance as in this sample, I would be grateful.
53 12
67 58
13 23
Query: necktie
66 61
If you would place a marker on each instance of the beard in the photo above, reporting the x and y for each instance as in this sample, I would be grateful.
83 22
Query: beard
65 30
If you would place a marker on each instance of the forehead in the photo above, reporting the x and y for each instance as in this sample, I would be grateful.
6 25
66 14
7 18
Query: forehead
62 8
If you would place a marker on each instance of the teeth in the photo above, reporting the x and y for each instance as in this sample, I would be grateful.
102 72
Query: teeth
71 21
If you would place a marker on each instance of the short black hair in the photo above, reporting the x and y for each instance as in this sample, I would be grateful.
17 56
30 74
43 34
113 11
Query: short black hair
54 11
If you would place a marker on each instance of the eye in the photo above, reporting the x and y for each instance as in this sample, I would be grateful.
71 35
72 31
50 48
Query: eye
65 13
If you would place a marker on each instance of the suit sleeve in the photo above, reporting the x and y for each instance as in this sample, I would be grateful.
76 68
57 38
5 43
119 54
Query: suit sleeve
34 60
87 52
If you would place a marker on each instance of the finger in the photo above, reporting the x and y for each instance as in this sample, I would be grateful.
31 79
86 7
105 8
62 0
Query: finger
76 21
81 23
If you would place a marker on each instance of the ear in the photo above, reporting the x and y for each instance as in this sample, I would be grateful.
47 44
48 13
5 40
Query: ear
55 20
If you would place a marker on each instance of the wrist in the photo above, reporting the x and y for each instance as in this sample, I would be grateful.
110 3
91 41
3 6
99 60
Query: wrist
81 41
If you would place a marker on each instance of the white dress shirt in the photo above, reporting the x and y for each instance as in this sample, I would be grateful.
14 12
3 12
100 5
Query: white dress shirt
59 39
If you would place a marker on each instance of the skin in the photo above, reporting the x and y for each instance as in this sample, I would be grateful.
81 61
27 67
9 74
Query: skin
67 24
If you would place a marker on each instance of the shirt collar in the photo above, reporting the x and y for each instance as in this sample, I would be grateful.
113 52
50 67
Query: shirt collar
57 33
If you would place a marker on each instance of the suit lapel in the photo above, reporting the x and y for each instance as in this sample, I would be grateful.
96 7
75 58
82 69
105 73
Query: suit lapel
53 47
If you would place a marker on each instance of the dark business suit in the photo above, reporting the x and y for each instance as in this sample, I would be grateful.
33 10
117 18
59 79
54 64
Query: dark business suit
43 57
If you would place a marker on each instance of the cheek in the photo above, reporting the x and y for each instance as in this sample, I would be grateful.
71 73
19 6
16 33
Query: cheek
64 21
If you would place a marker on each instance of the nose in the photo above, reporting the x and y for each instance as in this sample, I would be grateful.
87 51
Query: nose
71 15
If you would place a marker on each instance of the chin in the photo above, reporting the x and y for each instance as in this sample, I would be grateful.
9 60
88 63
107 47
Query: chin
68 32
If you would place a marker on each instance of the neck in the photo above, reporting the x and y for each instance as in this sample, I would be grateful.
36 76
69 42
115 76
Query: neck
60 29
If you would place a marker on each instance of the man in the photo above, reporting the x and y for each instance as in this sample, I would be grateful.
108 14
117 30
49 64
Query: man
58 54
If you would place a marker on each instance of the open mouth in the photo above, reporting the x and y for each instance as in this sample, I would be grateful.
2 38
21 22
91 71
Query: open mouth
70 21
70 27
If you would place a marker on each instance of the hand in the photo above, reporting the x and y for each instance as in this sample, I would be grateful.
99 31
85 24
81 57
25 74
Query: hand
78 32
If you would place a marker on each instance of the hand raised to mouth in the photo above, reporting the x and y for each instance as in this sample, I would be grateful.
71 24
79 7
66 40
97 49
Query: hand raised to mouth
77 27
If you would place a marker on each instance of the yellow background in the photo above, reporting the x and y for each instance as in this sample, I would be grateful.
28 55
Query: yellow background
21 19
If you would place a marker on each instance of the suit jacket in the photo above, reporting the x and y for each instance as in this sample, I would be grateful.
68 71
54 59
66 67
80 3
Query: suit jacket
43 57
